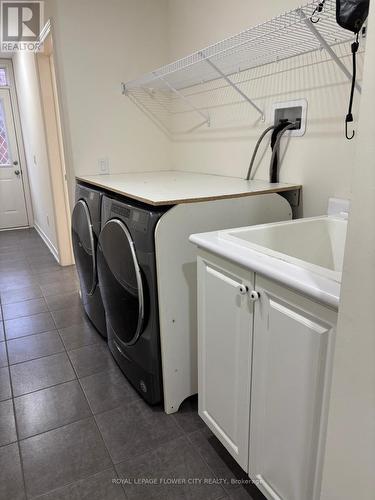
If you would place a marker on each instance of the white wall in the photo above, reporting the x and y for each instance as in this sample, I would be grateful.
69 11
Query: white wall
27 84
321 160
98 45
350 454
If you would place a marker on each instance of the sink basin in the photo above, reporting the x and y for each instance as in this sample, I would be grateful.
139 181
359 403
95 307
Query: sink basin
316 244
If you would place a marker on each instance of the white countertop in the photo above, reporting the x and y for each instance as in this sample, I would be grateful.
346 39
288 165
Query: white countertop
175 187
326 291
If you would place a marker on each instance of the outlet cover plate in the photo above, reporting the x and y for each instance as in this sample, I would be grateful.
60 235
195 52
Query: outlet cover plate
299 103
103 166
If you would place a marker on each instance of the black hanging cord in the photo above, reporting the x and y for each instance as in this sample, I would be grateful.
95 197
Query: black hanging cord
275 162
349 116
317 10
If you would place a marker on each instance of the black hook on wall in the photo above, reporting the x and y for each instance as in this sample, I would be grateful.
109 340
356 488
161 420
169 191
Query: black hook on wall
349 119
318 10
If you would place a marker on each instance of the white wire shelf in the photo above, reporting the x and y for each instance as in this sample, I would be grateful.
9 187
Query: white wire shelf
165 94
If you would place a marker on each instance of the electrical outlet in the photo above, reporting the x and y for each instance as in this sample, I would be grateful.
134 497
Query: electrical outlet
103 164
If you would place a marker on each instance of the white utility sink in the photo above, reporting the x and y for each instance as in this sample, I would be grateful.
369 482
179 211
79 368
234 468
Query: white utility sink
315 244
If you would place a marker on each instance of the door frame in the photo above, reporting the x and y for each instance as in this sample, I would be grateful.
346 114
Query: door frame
8 65
53 129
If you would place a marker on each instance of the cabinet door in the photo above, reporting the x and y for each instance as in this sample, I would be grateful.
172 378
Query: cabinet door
224 353
291 359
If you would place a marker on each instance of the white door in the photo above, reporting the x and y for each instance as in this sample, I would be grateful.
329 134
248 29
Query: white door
292 336
225 317
13 212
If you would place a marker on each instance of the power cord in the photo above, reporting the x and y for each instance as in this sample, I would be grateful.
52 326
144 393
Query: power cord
274 171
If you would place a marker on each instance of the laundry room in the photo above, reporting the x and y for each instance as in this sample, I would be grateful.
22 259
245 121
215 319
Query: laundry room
187 256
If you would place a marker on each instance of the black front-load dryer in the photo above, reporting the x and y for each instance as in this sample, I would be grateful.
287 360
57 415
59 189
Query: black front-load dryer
85 232
127 275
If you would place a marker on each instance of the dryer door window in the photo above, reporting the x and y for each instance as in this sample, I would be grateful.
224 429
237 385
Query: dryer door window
84 247
121 282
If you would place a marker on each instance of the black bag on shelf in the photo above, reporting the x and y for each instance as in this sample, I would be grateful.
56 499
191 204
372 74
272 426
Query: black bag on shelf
350 15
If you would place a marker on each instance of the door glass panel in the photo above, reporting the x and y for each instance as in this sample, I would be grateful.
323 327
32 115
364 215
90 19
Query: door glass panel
83 247
5 159
118 276
3 78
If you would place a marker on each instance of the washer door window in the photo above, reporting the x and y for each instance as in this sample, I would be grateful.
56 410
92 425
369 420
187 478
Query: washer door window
121 282
84 247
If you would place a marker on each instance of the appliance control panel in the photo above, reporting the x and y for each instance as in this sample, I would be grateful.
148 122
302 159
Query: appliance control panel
134 217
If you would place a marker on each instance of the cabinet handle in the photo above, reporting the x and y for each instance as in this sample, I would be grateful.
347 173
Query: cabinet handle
254 296
243 289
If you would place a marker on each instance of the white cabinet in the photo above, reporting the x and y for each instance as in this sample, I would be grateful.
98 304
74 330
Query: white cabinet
264 376
291 350
224 353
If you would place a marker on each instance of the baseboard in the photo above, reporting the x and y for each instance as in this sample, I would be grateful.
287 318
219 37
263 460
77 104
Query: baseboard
14 229
47 241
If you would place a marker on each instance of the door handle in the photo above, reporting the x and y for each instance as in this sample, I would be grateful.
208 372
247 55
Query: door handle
17 172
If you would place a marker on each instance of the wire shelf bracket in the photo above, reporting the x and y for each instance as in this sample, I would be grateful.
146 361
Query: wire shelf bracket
232 84
203 114
206 116
325 45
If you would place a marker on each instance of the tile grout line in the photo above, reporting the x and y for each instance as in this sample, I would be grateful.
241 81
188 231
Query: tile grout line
26 315
49 310
42 296
18 289
43 331
54 428
38 357
33 282
44 388
30 334
33 278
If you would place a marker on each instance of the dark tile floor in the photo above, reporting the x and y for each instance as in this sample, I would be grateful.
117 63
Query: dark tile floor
71 426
